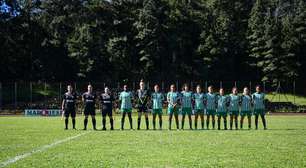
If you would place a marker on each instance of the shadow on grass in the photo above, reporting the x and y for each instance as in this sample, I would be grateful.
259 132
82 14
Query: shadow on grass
189 130
285 129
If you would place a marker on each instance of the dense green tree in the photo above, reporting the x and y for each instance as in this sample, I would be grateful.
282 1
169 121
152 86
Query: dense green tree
289 48
299 25
280 62
87 43
272 57
121 45
256 36
151 35
115 40
183 39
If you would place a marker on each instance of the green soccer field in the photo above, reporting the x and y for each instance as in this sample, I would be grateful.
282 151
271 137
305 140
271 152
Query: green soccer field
42 142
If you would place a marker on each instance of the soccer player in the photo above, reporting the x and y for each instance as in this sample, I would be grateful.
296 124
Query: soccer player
186 105
126 106
142 104
89 98
157 99
107 99
173 99
68 106
222 108
211 103
199 99
246 102
259 106
234 107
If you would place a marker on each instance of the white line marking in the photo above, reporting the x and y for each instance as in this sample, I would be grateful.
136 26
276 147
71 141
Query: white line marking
41 149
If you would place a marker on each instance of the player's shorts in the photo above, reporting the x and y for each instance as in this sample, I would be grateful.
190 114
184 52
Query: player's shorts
157 111
221 113
210 112
199 111
259 112
186 110
143 109
126 110
231 112
246 113
172 110
70 112
89 111
107 111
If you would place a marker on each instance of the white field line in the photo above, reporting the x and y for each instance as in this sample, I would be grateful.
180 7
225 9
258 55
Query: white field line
40 149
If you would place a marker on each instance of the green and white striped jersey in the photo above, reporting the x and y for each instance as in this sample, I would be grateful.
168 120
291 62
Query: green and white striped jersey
222 103
126 100
157 99
234 102
199 99
211 101
258 100
186 99
173 98
246 102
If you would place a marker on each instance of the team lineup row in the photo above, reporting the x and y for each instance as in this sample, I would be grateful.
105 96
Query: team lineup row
183 103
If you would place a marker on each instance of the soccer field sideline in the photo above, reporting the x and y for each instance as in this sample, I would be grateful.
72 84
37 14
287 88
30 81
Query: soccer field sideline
40 149
278 125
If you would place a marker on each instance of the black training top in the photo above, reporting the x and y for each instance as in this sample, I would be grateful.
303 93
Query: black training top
89 99
70 99
106 101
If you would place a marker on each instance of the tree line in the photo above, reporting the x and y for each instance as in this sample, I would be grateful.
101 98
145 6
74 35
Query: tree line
153 39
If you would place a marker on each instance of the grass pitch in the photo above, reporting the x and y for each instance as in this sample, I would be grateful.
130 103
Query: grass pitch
282 145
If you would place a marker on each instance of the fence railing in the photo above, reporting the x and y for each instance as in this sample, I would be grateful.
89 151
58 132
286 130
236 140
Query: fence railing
22 95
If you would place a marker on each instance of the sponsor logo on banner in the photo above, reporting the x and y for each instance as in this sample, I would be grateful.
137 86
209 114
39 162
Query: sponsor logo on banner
42 112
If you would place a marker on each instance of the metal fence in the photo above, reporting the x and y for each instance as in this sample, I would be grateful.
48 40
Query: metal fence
22 95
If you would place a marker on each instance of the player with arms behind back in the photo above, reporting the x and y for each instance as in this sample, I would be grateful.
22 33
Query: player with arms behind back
125 98
199 99
234 107
173 99
142 97
259 106
222 108
89 98
107 99
211 103
68 106
186 99
246 107
157 106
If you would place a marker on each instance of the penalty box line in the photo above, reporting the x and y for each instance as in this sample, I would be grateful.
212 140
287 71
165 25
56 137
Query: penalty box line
41 149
